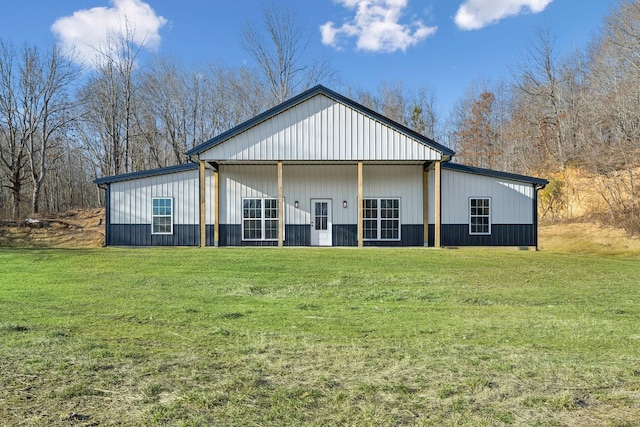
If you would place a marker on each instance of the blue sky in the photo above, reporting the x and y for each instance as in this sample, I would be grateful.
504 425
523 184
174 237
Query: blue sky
444 45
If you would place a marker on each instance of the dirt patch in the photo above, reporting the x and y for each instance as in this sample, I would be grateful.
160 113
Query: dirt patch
74 229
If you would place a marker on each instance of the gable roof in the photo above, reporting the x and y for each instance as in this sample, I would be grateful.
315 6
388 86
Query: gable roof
274 141
147 173
495 174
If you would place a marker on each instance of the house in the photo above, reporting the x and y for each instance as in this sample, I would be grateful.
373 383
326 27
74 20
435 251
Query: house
321 170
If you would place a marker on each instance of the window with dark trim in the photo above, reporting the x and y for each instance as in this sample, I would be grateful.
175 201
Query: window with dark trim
381 219
162 215
479 215
259 219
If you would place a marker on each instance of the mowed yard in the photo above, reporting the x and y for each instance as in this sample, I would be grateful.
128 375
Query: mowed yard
318 337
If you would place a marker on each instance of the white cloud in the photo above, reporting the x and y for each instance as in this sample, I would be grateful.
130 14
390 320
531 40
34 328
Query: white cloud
90 30
376 26
476 14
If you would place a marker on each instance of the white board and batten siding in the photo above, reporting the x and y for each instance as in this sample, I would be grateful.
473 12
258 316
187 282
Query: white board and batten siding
131 200
320 129
511 200
402 182
336 182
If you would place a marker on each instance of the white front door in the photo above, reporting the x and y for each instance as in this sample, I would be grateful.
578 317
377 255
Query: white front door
321 222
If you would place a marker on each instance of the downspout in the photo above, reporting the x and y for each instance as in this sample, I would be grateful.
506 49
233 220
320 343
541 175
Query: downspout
107 212
537 188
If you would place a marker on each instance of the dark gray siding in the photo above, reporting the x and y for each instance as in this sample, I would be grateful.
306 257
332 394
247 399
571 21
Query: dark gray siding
300 235
231 235
107 216
344 234
501 235
210 235
411 235
140 235
297 235
432 234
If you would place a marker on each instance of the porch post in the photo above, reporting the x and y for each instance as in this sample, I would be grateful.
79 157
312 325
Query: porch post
425 204
359 207
438 204
280 206
203 210
216 207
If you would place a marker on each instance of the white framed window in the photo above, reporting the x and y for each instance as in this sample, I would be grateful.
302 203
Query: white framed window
381 219
479 215
162 215
259 219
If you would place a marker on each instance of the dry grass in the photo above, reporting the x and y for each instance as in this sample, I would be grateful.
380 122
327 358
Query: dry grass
587 238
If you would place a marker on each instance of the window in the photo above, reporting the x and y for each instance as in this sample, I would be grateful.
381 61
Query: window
162 216
381 219
259 219
322 215
479 215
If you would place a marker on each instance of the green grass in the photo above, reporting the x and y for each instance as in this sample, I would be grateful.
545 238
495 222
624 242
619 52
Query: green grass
318 337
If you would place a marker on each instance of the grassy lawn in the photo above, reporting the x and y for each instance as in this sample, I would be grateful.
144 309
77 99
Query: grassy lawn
318 337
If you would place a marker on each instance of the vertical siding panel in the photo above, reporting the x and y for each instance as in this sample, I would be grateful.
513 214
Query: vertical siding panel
282 126
345 136
270 147
297 132
338 131
305 131
118 206
327 131
320 129
309 132
352 137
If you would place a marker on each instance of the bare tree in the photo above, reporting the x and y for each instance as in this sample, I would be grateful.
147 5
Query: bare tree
109 101
169 110
14 137
279 46
424 117
50 112
393 101
475 135
614 83
538 79
35 111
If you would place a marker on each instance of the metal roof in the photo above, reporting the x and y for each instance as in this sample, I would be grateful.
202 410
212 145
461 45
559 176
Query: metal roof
147 173
494 173
319 89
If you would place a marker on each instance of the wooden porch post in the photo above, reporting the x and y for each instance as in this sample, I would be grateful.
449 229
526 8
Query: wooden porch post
280 207
216 207
438 204
359 207
203 210
425 205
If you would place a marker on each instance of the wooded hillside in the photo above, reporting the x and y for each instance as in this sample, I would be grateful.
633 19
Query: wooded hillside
572 119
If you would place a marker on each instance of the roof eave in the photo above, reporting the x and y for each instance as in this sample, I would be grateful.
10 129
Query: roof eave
145 174
538 182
